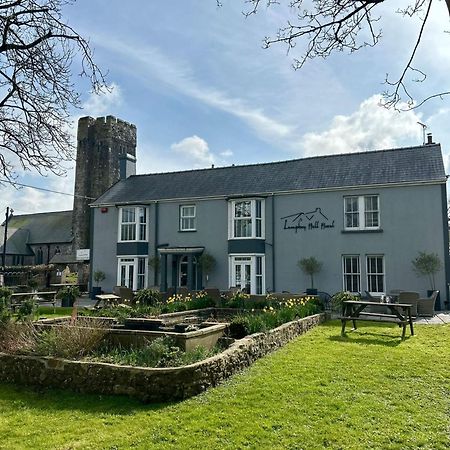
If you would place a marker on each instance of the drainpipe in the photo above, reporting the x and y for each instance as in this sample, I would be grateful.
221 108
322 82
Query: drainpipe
5 238
273 243
445 226
155 251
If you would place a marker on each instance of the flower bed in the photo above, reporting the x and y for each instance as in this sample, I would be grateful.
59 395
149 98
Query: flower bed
149 384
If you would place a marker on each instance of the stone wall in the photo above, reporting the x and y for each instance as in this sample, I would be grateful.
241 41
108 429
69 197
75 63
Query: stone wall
148 384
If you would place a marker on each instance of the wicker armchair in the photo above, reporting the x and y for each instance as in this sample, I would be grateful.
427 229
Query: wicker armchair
425 306
124 293
411 298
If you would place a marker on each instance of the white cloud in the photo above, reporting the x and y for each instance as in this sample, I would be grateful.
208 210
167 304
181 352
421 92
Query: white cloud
26 200
195 150
226 153
370 127
105 102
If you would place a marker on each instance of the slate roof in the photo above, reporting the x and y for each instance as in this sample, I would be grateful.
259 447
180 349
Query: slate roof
43 228
411 164
17 241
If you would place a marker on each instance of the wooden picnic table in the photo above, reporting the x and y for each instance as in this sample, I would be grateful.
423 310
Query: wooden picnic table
106 299
40 297
354 310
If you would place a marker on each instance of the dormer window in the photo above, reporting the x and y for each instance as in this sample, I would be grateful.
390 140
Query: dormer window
133 224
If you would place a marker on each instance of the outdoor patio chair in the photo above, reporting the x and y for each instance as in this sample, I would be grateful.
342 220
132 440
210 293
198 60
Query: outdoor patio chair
377 308
123 292
411 298
183 291
213 293
425 306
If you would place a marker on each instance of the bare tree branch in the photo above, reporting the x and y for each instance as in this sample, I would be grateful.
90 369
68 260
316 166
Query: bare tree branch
37 95
327 26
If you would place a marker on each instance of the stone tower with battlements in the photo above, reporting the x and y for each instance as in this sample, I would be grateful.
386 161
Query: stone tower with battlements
103 144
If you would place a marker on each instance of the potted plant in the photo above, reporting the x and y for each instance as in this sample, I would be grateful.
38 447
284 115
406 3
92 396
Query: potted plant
98 277
207 263
310 266
68 295
428 265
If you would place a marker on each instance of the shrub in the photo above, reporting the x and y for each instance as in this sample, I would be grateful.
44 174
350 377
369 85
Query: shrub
310 266
98 276
5 300
201 300
339 297
237 300
69 293
427 265
147 297
27 310
161 352
122 312
271 316
179 302
71 341
18 337
239 326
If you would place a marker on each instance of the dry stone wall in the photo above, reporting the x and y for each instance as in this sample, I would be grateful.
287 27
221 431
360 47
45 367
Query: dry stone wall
149 384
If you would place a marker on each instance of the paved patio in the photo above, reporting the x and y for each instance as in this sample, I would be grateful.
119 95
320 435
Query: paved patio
440 318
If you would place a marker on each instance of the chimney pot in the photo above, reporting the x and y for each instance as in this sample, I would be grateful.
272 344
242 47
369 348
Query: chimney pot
429 138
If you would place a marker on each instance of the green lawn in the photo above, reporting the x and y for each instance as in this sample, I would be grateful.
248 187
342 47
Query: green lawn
368 390
47 312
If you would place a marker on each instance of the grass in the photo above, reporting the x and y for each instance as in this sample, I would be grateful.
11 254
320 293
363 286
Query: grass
368 390
47 312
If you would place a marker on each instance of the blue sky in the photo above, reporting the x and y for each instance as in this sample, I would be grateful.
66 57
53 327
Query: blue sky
201 90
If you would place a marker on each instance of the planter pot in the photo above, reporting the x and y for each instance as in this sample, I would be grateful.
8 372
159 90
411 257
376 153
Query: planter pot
437 305
311 291
67 302
96 290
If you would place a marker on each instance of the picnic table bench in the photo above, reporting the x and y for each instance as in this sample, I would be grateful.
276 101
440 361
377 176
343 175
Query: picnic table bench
17 298
107 299
354 310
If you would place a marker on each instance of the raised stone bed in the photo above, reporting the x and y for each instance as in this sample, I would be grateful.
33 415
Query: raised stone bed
148 384
137 332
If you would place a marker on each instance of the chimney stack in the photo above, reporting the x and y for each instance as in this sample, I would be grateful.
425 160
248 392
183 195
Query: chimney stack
127 165
429 139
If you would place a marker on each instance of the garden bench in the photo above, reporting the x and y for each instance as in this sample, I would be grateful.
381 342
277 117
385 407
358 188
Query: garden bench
107 300
39 297
354 310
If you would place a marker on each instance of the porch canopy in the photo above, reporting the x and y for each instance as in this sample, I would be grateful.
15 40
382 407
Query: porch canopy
171 268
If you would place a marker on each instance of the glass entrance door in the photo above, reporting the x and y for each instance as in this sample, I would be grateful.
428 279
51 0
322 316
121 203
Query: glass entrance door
127 272
183 272
242 274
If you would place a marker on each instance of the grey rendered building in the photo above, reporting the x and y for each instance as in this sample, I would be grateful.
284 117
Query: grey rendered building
365 216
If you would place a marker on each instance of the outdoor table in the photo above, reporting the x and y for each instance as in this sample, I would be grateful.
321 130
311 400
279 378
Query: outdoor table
106 298
354 310
40 297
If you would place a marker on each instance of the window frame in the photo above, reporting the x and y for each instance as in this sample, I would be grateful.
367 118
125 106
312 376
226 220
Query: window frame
192 217
361 212
137 224
375 274
257 263
257 222
136 266
352 274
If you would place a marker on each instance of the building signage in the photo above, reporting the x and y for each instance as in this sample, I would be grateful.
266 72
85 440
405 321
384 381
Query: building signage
307 221
83 254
